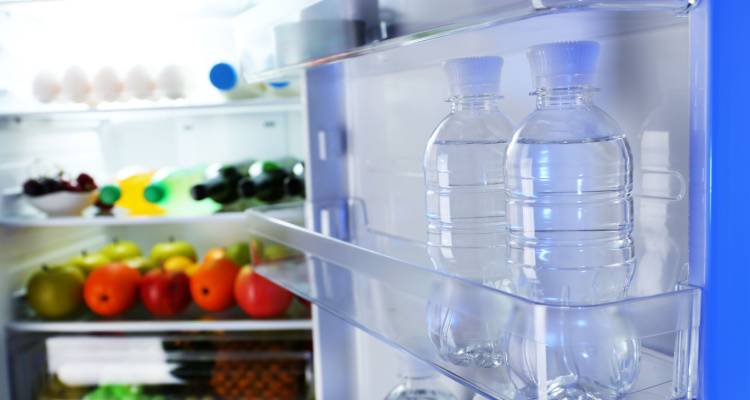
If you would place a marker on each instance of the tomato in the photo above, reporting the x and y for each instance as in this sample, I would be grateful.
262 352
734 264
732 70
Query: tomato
111 289
212 283
259 297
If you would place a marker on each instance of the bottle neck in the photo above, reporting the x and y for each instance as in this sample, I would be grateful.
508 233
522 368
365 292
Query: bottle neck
475 103
569 97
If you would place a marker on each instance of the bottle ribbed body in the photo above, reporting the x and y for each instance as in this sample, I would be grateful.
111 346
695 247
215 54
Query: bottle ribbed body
569 186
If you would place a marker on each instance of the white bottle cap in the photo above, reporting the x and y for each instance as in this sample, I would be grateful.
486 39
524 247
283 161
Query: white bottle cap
564 64
474 76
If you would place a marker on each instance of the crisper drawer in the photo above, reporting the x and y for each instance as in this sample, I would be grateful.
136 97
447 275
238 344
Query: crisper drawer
642 347
237 365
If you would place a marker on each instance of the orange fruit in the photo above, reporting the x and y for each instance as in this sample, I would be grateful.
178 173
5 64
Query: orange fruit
111 289
212 285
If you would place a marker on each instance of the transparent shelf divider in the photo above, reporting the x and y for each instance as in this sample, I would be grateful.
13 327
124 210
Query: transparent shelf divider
504 12
386 286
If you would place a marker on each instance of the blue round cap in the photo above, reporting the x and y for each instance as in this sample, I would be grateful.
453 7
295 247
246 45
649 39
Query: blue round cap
223 76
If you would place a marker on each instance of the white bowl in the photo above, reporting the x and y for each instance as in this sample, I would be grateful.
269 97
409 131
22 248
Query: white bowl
62 203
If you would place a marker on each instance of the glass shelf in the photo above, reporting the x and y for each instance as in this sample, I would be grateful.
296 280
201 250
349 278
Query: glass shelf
387 287
16 215
486 15
39 221
161 326
139 320
200 8
156 109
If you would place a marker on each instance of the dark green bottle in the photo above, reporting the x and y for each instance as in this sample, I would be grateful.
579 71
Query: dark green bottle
268 180
221 183
294 184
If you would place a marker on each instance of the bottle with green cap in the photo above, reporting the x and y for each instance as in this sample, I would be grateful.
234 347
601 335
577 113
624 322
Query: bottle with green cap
170 189
220 184
126 192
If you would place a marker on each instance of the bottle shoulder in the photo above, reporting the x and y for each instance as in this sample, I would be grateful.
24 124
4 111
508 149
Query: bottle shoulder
484 126
580 123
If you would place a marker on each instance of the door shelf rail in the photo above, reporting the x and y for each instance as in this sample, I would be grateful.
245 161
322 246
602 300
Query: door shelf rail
387 286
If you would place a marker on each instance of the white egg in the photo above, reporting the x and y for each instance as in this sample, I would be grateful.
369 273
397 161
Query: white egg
76 85
139 83
107 85
172 82
46 87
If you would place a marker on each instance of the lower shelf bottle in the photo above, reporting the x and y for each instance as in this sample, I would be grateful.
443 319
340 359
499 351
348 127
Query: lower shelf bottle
127 192
419 382
170 189
220 184
271 181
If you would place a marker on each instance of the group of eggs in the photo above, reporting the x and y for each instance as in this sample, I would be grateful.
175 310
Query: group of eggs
107 85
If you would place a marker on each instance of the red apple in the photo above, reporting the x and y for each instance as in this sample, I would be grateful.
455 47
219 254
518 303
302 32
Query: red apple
165 293
259 297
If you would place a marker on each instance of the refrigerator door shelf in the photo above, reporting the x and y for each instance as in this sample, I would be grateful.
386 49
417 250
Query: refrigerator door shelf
387 287
410 29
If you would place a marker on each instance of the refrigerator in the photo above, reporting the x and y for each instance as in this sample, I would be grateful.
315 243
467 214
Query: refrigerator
365 90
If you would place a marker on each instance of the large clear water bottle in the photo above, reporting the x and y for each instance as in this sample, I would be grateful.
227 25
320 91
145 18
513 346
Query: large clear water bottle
570 221
418 381
463 167
569 181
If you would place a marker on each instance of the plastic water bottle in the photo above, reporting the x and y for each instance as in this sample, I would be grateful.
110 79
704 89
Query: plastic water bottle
419 382
170 189
225 78
463 167
570 218
569 181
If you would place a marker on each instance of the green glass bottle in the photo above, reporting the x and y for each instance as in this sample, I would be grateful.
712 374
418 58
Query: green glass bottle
268 180
220 184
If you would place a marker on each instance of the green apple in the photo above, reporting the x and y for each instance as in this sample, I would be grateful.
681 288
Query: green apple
120 250
239 253
89 261
142 264
55 292
164 250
